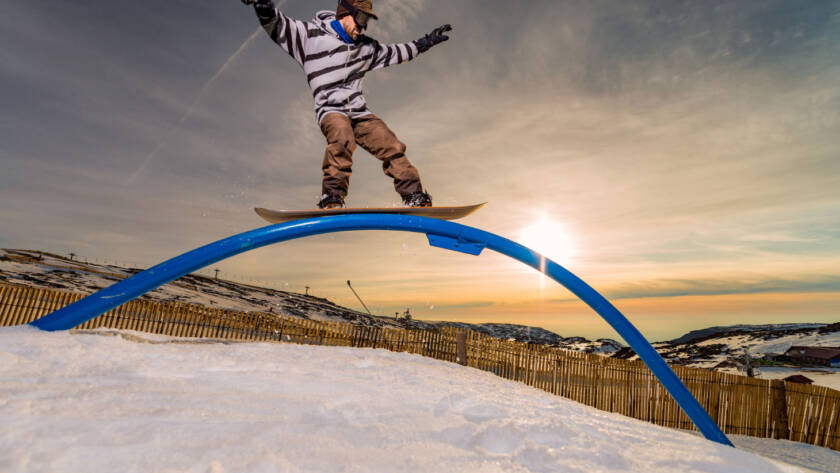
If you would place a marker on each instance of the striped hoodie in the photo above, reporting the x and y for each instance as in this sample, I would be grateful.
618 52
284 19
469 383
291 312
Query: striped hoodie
334 69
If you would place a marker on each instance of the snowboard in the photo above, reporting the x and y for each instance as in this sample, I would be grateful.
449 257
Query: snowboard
444 213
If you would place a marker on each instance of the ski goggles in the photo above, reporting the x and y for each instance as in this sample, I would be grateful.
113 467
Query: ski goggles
361 18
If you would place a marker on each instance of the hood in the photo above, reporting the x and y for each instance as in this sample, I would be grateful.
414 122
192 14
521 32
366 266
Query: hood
323 19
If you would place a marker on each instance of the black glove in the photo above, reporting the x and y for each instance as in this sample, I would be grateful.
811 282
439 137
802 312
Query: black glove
435 37
263 7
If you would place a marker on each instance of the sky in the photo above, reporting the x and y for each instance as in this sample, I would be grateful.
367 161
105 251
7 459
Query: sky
681 157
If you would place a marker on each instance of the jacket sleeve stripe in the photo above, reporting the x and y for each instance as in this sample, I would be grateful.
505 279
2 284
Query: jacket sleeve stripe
286 32
391 54
300 54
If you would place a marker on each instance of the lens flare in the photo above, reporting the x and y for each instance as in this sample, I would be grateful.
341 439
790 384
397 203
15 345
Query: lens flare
550 238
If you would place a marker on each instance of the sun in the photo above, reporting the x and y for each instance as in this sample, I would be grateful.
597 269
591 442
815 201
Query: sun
549 238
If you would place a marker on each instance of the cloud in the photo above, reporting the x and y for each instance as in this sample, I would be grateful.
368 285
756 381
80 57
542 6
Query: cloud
398 18
716 287
199 96
466 305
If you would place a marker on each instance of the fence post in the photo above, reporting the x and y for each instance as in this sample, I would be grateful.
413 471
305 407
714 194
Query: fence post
836 437
461 347
778 414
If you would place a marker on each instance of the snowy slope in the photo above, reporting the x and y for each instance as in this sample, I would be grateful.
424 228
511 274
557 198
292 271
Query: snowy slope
716 331
94 403
49 271
724 349
828 377
37 269
711 351
782 344
721 345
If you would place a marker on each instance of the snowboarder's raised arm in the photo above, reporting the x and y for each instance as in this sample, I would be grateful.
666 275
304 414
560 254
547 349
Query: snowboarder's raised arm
385 55
286 32
391 54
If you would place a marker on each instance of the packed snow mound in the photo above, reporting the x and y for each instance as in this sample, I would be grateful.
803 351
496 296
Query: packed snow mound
94 403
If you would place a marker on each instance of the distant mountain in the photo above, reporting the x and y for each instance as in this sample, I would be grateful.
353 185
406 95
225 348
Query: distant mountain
540 336
711 332
725 348
50 271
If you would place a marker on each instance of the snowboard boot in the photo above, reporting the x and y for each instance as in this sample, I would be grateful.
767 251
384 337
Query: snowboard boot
417 199
331 201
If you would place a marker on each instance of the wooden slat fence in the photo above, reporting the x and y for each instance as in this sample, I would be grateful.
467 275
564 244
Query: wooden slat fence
740 405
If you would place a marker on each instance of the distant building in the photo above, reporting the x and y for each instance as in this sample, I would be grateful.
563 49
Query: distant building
823 356
798 378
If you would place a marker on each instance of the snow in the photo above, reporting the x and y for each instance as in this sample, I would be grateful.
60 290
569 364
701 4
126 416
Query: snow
710 331
782 344
34 269
56 273
758 346
807 457
95 403
828 377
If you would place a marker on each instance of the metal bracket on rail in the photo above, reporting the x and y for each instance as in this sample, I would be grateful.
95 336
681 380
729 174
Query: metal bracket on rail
459 244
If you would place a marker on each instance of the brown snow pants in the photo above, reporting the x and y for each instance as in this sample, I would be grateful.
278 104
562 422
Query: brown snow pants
375 137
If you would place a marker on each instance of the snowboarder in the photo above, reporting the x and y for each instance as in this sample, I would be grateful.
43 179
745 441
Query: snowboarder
335 56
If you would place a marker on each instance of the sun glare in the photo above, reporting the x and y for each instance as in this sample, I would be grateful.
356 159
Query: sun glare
549 238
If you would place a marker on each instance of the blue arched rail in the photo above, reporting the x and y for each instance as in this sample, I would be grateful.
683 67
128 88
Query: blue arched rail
443 234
